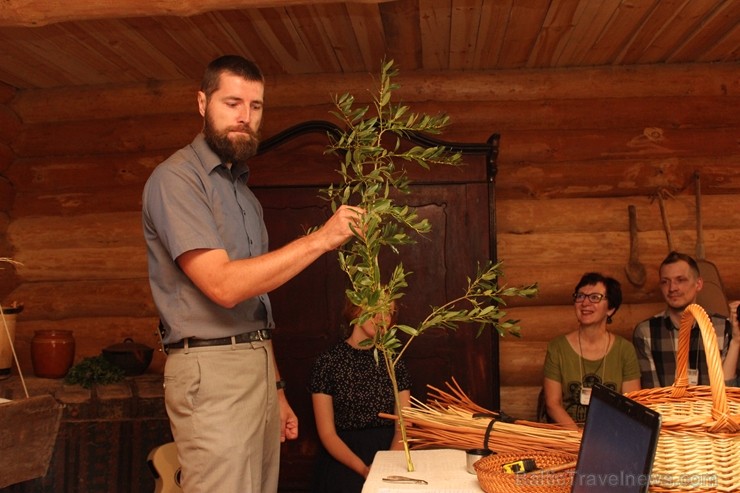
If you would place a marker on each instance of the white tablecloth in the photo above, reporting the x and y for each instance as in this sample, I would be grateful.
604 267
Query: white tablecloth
443 469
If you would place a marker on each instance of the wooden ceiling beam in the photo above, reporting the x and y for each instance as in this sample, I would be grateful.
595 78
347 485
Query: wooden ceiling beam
30 13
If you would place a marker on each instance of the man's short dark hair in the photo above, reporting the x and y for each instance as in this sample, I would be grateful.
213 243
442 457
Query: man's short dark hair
233 64
613 288
674 257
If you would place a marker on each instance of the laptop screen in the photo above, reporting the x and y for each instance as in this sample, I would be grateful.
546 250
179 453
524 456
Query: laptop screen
618 444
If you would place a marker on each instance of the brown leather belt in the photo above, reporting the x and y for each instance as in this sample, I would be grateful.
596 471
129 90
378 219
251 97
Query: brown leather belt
256 335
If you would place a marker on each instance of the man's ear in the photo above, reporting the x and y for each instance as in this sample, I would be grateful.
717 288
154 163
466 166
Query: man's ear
699 283
202 102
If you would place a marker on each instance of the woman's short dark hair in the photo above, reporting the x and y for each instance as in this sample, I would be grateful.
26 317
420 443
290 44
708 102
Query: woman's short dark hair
613 288
234 64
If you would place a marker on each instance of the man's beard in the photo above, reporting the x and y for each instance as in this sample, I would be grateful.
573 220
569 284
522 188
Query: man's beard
234 150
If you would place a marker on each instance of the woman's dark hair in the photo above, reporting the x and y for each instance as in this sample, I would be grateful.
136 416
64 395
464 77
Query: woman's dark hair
613 288
233 64
352 311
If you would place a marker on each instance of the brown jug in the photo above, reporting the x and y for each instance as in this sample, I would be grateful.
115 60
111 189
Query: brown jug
52 353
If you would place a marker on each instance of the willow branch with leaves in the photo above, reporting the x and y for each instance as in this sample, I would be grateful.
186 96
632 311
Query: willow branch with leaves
371 149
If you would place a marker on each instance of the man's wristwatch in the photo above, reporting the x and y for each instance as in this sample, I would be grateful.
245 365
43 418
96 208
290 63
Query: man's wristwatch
280 384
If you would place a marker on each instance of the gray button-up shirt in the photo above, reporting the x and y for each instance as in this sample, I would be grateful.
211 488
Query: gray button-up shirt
193 201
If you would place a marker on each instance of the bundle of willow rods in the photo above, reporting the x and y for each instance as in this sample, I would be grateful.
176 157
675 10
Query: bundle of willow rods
452 420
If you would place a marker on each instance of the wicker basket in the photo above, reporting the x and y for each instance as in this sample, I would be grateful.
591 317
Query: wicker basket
699 444
493 479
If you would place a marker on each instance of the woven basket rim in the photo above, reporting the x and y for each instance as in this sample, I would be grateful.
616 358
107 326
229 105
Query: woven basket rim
681 394
492 479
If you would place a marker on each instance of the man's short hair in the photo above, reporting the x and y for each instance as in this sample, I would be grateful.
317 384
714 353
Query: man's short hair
233 64
674 257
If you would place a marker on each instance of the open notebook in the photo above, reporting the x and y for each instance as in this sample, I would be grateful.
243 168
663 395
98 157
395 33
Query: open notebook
618 445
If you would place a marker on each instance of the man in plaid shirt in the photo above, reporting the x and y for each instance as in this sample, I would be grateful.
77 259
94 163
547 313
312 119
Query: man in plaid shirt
656 338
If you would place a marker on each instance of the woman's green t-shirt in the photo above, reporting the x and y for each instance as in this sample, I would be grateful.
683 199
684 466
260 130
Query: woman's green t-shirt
563 364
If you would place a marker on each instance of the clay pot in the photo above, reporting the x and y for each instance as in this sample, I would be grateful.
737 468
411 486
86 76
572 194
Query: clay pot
52 353
133 358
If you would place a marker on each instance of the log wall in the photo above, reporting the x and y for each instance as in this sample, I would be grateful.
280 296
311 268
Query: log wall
577 147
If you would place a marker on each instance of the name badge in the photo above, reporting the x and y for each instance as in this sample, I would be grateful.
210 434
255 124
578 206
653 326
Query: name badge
693 377
585 396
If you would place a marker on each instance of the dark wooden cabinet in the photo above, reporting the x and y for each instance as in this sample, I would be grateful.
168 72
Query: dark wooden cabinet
104 436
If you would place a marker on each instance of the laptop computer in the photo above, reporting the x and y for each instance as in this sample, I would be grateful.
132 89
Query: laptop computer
617 446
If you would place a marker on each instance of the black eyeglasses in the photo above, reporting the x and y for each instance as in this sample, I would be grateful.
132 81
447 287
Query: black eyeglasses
592 297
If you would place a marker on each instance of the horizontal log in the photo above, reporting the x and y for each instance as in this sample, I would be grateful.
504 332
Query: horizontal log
158 132
107 136
608 246
520 401
609 144
91 231
521 362
72 264
602 214
62 174
598 113
500 116
90 200
87 298
296 91
600 178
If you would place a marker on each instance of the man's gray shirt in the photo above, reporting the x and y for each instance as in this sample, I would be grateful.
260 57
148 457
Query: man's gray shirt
193 201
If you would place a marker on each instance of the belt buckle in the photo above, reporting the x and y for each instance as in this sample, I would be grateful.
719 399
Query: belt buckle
259 335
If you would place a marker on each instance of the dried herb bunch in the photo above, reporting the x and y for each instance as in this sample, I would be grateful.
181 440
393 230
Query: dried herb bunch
370 150
94 370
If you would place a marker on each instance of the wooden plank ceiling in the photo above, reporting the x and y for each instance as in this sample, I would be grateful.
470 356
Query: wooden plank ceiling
58 43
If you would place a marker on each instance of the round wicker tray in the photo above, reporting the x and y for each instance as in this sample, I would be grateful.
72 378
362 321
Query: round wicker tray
493 479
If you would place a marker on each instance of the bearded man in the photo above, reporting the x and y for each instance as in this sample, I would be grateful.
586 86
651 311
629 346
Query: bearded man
210 271
656 339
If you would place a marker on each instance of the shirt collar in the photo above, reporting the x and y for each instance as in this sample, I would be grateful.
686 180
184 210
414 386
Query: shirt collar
667 322
211 161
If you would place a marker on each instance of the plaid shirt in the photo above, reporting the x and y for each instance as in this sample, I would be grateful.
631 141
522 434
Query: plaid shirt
656 340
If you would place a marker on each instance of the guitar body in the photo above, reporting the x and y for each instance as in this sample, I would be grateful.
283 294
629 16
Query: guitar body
165 467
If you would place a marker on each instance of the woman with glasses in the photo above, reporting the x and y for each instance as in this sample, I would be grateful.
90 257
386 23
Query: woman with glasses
589 354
